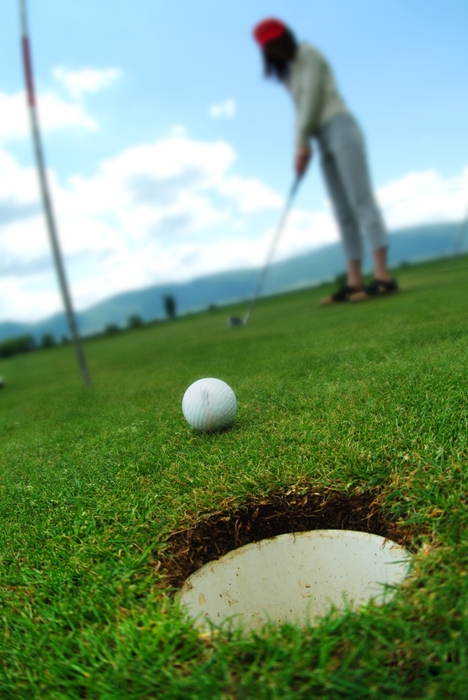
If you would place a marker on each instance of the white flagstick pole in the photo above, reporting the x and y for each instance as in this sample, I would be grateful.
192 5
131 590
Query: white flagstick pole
46 200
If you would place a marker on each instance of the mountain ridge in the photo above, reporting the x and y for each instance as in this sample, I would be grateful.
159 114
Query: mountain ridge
309 269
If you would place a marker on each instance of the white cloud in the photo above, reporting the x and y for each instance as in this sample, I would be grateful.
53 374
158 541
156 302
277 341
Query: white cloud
154 262
160 211
226 109
178 130
17 182
54 113
250 195
158 188
30 300
85 80
306 231
424 198
169 211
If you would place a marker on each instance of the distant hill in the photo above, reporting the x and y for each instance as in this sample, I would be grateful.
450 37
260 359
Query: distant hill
324 264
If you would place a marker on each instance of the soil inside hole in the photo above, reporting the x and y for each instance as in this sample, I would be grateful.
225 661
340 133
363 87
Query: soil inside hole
277 513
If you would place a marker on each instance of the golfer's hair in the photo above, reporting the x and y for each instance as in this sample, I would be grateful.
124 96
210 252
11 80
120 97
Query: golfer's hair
277 68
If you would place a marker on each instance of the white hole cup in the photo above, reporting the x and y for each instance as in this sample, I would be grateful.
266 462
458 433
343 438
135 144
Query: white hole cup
295 577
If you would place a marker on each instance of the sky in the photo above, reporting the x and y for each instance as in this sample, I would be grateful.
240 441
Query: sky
169 155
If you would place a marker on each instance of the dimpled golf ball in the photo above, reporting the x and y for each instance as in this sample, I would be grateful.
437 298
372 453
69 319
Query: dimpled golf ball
209 404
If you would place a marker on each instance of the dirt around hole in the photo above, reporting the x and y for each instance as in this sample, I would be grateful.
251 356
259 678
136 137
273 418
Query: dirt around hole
278 513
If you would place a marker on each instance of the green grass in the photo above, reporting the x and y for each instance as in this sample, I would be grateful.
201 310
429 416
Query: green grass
92 483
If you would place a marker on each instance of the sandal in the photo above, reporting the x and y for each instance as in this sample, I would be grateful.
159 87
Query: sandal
345 293
377 288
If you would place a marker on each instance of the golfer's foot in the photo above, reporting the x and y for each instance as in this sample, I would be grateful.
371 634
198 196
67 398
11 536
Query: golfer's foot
345 293
377 288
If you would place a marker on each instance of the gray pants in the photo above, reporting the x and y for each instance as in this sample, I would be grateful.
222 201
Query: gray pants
344 165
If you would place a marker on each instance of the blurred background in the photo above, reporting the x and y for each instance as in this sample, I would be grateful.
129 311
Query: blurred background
169 155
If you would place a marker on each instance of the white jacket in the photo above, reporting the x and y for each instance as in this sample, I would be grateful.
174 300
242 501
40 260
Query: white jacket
314 91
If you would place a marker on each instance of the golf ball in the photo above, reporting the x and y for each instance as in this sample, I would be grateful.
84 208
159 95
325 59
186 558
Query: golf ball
209 404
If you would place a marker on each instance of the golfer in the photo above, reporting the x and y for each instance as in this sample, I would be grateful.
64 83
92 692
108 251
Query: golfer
321 113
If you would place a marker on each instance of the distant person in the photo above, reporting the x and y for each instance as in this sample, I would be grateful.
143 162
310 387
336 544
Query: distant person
321 113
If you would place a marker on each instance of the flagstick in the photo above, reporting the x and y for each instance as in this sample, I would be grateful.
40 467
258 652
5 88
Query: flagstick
46 200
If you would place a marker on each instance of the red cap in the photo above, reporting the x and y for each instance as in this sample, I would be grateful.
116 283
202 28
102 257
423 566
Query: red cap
268 30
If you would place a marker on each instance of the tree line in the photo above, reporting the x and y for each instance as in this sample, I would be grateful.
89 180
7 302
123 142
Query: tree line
27 343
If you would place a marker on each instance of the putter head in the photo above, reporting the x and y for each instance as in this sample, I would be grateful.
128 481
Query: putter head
234 321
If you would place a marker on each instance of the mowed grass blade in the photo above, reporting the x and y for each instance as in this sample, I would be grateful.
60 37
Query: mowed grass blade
354 398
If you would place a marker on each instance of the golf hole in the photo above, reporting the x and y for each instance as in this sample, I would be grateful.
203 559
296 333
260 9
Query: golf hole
287 557
295 577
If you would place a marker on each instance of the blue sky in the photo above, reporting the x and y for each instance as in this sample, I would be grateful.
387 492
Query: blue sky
169 155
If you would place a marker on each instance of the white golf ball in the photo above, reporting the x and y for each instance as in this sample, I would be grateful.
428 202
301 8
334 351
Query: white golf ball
209 404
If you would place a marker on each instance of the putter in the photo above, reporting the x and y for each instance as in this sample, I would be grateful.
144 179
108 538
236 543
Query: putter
234 320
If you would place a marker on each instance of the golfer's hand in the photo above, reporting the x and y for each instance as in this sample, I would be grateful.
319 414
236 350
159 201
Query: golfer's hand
303 156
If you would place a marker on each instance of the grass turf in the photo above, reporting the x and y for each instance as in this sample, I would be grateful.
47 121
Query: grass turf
93 482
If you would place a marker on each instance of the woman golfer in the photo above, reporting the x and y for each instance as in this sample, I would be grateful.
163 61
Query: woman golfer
322 114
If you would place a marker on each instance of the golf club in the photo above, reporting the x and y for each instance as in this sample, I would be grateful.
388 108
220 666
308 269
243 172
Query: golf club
234 320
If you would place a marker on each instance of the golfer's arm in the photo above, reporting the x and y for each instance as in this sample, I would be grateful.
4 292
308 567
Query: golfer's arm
308 110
